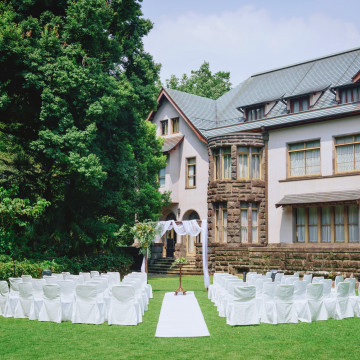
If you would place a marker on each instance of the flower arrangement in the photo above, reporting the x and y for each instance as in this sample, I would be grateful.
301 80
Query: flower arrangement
145 232
179 261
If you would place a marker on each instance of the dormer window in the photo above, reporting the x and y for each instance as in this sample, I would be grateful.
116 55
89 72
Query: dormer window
164 127
299 104
255 113
349 95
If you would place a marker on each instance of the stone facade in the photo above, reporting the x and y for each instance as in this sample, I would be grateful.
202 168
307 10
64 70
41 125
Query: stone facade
234 191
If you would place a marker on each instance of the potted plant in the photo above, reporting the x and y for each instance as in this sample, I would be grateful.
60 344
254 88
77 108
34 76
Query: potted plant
180 262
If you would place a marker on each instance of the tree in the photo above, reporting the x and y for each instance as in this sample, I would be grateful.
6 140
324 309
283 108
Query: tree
75 86
202 82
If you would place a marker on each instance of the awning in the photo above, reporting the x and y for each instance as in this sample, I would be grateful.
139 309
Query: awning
349 196
171 143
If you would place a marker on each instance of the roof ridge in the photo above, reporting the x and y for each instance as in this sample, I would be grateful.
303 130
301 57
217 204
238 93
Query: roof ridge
184 92
305 62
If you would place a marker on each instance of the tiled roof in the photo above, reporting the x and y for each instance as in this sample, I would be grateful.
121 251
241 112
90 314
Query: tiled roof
221 116
323 197
171 142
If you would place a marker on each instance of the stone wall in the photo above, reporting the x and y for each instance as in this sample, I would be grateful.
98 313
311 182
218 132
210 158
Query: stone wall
328 260
233 191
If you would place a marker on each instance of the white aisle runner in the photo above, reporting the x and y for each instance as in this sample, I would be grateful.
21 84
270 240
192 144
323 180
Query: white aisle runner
181 316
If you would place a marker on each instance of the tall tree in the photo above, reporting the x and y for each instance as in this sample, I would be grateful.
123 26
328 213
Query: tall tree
202 82
75 84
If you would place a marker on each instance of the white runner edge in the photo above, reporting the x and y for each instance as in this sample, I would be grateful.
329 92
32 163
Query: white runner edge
181 316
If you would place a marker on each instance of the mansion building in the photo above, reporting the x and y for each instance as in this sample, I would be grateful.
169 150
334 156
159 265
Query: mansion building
273 165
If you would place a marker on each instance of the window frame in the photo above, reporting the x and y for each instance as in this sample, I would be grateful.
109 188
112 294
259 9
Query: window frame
300 100
304 149
177 119
166 122
257 111
187 186
345 91
219 159
320 225
336 146
249 207
219 210
162 177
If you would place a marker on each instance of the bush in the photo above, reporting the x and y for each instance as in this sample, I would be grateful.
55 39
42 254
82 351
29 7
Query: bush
103 262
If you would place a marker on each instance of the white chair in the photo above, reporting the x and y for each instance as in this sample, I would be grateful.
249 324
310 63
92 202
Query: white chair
327 284
100 299
268 275
343 304
50 280
140 296
4 296
278 278
268 309
78 279
314 294
123 306
13 296
338 279
307 278
94 273
147 286
65 274
317 279
86 310
243 310
38 299
51 306
300 301
26 278
284 304
67 298
23 306
215 285
58 276
227 295
352 296
115 275
86 276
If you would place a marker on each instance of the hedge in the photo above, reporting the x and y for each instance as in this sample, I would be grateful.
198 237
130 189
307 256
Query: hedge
34 267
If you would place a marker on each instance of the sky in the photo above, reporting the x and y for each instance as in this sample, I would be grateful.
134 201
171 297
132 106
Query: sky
247 37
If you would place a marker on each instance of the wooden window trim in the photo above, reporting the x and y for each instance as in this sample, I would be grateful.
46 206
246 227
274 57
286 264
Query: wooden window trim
336 146
300 100
304 149
161 127
248 111
219 209
250 156
223 166
249 207
187 186
345 90
172 125
161 187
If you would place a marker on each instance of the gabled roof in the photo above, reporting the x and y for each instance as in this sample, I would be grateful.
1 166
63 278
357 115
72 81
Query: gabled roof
221 116
172 142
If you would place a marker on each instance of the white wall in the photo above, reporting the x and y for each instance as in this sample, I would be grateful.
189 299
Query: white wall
280 220
175 178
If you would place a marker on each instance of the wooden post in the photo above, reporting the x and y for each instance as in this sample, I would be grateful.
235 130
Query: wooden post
146 269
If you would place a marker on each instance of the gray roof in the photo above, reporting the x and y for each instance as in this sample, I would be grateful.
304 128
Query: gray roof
171 142
323 197
221 116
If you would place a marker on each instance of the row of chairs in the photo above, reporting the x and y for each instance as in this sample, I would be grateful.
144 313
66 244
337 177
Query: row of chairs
88 298
262 300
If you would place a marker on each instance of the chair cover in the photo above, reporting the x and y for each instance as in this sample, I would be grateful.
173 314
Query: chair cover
94 273
23 306
268 275
37 285
100 299
317 279
327 284
308 278
58 276
338 279
51 306
278 278
300 301
139 294
65 274
343 304
284 304
67 298
26 278
314 294
13 296
86 310
226 295
78 279
86 276
243 310
4 296
352 296
123 306
115 275
50 280
268 309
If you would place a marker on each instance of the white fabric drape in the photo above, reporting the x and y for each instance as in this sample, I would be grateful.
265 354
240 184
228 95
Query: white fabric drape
204 236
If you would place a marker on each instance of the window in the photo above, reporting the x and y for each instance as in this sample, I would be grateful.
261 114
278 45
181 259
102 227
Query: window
350 95
299 104
336 224
304 158
164 127
249 223
162 177
347 153
246 154
221 223
191 172
222 163
255 113
175 125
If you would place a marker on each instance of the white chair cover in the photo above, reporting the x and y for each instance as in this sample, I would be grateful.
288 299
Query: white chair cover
300 301
50 280
37 285
94 273
352 296
26 278
268 275
78 279
243 310
278 278
4 296
268 309
65 274
308 278
123 306
67 298
58 276
23 306
86 310
13 296
284 303
51 306
338 279
86 276
140 296
343 304
100 300
314 294
327 284
317 279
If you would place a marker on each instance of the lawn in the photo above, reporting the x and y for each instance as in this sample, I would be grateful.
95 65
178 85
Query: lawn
24 339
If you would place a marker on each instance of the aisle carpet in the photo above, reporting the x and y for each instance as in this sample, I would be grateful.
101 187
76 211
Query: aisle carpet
181 316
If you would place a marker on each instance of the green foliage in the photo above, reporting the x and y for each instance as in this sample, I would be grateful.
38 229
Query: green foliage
146 232
202 82
179 261
75 86
102 262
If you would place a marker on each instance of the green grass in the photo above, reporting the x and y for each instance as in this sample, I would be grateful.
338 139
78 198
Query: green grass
24 339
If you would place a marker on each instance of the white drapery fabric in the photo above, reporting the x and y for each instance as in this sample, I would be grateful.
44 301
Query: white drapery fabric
192 228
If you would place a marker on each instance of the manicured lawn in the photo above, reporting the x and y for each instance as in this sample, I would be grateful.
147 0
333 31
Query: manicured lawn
24 339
